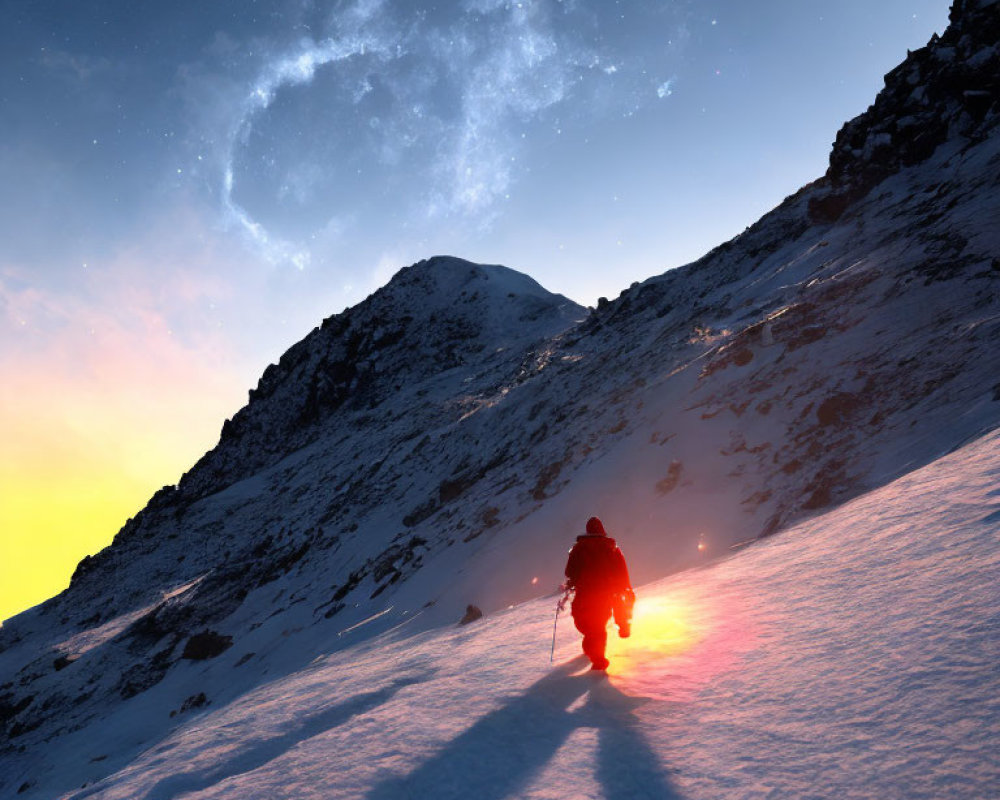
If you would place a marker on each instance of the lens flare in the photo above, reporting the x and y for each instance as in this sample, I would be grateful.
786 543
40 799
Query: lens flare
683 639
661 627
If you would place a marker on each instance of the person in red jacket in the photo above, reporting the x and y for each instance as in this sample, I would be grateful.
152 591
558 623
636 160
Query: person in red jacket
597 573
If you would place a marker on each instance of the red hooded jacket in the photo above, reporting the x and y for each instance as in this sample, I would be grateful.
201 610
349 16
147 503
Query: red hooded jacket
597 567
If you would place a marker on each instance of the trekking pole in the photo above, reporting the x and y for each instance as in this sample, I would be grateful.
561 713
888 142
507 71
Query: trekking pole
559 607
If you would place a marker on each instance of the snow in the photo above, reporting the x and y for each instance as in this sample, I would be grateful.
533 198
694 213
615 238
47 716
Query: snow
853 656
80 643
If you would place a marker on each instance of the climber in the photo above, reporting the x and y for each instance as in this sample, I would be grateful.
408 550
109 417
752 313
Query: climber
597 574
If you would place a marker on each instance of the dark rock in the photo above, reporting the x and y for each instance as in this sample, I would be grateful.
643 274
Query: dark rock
820 498
144 675
62 662
87 565
546 477
352 581
829 207
742 357
10 708
828 482
803 336
669 483
472 613
194 701
334 609
24 726
838 408
935 92
772 526
205 645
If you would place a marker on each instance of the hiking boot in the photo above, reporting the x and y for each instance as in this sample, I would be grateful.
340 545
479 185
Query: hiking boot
600 664
624 630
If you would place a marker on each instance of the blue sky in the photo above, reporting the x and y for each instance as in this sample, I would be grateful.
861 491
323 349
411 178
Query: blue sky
588 143
187 188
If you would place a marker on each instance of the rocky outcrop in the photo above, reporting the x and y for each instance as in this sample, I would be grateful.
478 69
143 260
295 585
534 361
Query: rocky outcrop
948 89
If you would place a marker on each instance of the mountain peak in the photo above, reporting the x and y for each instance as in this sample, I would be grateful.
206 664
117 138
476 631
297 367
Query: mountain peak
444 278
433 317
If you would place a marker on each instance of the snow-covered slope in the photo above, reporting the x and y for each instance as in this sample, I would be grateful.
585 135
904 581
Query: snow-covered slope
854 656
409 340
440 443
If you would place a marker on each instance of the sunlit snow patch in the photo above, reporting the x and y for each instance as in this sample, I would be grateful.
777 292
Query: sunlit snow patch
681 640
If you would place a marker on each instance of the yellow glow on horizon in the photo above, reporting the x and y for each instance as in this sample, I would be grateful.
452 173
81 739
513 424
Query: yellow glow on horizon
51 520
65 493
81 453
112 384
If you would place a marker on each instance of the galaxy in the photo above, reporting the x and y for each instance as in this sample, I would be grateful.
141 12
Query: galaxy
427 118
186 189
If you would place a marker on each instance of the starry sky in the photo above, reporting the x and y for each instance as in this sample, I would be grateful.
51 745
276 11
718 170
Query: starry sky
187 188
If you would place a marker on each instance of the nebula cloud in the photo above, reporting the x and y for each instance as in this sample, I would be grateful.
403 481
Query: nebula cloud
414 116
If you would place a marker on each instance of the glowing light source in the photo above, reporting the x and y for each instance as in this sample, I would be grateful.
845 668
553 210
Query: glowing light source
661 627
93 421
683 638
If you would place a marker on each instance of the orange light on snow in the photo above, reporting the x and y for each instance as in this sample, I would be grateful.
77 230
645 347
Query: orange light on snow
683 638
661 627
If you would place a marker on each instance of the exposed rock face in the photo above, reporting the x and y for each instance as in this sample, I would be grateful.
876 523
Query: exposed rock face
435 316
205 645
947 89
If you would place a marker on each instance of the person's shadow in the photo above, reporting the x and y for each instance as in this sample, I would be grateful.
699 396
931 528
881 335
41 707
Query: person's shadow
264 752
503 751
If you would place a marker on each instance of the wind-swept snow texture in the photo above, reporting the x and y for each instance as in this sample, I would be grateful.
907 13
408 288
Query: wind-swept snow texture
852 657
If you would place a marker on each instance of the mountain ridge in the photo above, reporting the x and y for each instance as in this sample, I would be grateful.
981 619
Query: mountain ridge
411 322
